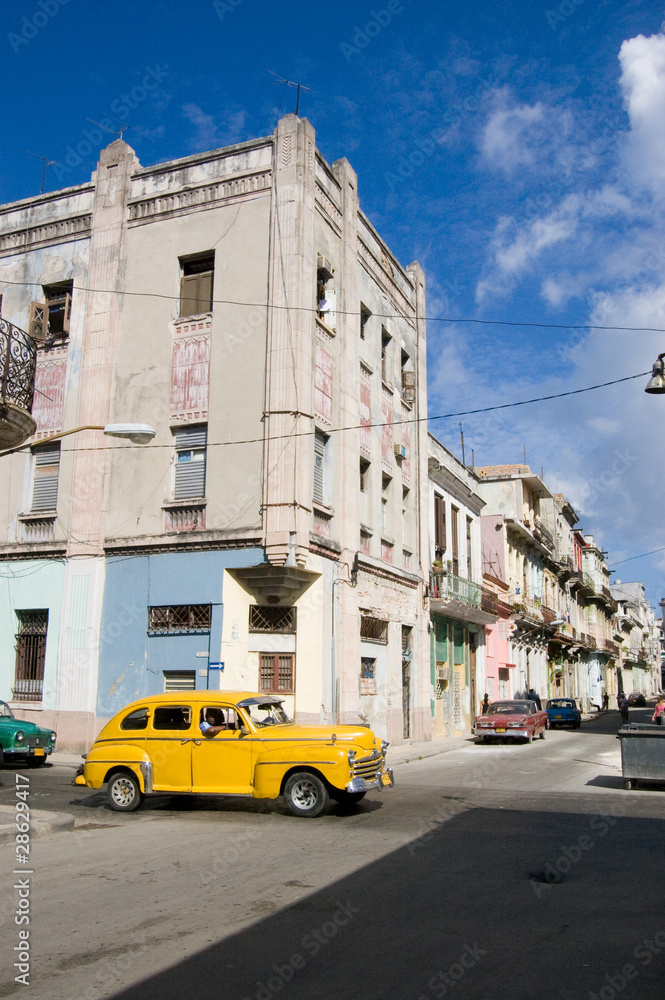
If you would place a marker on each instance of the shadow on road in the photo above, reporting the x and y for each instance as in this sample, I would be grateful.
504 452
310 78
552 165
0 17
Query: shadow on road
448 910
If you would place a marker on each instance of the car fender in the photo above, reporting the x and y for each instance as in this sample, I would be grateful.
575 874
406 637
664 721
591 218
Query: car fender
102 761
274 765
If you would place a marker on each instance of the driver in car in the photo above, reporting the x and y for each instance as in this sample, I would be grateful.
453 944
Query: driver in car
213 723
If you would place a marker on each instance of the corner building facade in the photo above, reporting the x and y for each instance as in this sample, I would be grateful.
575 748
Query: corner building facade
271 535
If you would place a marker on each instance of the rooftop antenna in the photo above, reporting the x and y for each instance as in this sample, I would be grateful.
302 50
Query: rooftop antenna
461 430
123 128
290 83
45 163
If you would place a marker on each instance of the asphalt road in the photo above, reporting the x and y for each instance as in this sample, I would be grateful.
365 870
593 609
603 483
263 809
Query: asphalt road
489 871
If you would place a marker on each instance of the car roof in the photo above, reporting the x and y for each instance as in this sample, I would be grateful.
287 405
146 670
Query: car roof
205 698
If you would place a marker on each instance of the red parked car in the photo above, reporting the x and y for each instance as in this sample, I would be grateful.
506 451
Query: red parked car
512 720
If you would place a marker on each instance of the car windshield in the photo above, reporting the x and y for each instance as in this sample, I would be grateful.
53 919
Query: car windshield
5 711
509 708
267 715
560 704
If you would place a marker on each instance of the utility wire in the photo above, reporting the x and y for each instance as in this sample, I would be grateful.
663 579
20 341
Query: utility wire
348 312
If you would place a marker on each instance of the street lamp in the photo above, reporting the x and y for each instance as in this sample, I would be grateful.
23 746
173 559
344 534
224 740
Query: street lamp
656 383
137 433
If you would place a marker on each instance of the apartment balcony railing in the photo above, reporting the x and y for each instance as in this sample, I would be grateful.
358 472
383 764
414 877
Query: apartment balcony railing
588 582
447 586
18 359
542 533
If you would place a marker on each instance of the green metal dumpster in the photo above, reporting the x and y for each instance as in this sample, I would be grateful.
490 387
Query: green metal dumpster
642 753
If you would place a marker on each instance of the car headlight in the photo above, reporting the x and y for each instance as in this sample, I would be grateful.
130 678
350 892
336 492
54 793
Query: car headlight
52 737
384 746
19 735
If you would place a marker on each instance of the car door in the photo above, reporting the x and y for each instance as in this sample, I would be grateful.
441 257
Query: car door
169 742
224 763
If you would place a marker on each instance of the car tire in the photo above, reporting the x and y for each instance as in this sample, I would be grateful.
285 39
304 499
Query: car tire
124 792
629 784
305 794
576 725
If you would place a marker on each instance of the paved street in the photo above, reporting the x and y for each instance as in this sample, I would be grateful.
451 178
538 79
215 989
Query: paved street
488 871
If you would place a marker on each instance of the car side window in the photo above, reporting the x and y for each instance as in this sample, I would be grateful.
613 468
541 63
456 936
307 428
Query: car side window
172 717
138 719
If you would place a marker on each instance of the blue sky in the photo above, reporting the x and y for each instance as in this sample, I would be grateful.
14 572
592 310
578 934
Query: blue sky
516 150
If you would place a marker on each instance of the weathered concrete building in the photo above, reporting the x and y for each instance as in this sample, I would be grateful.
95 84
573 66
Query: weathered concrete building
271 536
460 607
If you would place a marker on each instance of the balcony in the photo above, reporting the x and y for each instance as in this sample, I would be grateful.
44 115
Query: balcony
542 534
18 357
462 599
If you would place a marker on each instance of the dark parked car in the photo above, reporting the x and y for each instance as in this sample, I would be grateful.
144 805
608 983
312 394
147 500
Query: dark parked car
636 699
563 712
23 741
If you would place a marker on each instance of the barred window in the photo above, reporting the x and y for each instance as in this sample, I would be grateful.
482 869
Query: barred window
30 654
264 618
373 629
276 673
173 618
442 678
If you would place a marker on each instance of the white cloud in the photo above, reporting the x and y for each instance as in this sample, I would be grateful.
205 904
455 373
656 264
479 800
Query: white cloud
509 139
208 133
643 85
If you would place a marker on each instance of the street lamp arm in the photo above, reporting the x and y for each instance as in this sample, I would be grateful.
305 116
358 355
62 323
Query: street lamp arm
138 433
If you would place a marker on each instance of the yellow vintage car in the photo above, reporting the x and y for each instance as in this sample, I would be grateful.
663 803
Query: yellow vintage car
231 743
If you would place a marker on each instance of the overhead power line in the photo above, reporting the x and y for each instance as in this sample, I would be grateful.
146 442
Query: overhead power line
356 313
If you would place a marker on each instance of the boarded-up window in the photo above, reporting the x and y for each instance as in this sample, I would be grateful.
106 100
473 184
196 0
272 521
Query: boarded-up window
196 284
48 403
190 375
45 477
190 462
30 654
323 383
276 672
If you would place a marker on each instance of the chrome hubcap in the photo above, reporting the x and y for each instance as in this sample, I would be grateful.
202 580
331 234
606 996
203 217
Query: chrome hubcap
305 794
123 791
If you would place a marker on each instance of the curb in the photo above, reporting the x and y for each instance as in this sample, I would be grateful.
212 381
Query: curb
41 822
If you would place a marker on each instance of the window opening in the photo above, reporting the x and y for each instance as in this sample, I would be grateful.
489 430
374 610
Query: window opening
196 283
46 470
30 654
276 672
264 618
50 320
190 462
180 618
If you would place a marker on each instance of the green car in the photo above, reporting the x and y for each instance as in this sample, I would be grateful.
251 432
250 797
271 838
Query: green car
23 741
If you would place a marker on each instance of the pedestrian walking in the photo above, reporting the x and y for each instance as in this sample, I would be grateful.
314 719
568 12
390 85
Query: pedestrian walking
606 702
623 707
485 704
659 712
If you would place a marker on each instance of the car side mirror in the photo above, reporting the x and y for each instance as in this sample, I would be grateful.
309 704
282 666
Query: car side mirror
244 731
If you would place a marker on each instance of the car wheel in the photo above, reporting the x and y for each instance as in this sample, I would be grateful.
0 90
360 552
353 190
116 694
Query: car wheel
629 783
123 792
305 794
576 725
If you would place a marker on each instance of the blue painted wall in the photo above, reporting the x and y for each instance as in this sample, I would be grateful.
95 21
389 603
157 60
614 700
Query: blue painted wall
131 661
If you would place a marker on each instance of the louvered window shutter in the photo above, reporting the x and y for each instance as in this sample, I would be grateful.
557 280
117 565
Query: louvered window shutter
45 482
190 462
319 458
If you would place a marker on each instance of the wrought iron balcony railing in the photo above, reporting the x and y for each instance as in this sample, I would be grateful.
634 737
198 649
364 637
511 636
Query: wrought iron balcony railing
447 586
18 358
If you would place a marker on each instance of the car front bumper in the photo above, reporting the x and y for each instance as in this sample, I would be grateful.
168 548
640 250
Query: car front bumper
509 733
385 779
27 751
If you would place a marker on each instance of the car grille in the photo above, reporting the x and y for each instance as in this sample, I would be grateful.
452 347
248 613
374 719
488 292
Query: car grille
368 767
36 741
